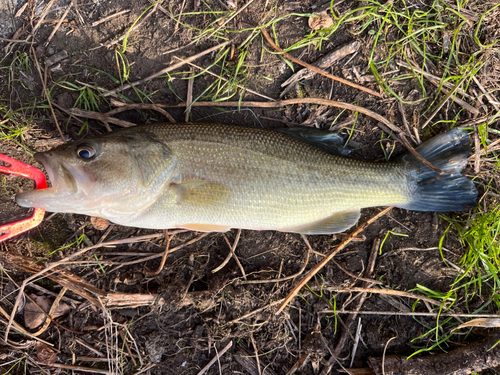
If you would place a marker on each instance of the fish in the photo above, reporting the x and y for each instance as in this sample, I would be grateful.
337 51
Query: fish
214 177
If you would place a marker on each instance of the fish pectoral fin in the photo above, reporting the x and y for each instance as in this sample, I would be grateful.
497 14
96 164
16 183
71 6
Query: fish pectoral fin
337 223
205 227
206 193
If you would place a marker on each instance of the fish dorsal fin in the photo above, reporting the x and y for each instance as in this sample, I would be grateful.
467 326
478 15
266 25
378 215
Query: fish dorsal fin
205 227
326 141
337 223
202 193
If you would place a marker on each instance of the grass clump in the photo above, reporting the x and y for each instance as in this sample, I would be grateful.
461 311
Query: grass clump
481 259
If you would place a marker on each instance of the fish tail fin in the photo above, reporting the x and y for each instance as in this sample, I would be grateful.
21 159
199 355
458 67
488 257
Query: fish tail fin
449 192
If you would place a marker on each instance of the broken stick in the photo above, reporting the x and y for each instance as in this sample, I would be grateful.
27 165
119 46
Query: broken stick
326 259
465 360
318 70
323 63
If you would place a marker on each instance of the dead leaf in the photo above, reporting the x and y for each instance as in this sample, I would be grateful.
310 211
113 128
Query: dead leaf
45 354
320 21
480 322
34 318
99 223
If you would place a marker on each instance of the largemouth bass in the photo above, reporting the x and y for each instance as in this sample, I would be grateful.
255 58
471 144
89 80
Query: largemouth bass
211 177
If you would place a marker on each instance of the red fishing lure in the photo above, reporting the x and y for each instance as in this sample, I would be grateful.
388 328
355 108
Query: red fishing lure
17 168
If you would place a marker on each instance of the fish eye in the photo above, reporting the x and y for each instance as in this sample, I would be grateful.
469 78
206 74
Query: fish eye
85 151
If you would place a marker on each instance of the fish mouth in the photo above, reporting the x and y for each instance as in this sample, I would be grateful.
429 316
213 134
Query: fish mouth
63 186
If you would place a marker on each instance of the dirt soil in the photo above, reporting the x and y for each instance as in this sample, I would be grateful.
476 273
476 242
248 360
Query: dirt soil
197 312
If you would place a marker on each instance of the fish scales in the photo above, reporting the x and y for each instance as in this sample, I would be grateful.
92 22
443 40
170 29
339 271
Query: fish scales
275 180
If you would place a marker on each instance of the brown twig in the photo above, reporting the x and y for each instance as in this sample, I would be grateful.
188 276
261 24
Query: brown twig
70 301
137 25
326 259
89 347
382 291
371 281
52 310
322 63
434 78
94 24
249 364
332 103
232 248
189 96
144 259
306 261
164 258
176 28
16 40
42 17
351 318
256 352
228 20
127 107
493 101
362 297
405 122
81 368
162 9
59 23
482 120
103 117
46 93
464 360
216 358
383 354
443 102
147 368
477 150
106 117
256 311
316 69
39 271
166 70
493 146
127 346
411 313
74 283
17 327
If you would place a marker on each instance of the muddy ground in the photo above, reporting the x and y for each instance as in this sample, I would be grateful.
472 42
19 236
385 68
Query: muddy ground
197 311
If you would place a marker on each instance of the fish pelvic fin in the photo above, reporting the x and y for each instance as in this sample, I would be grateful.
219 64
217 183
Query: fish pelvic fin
450 192
336 223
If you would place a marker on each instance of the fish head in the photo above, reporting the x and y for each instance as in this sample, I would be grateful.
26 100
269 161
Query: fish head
108 176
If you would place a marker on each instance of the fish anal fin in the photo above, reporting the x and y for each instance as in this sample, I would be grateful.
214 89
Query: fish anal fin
204 193
336 223
205 227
